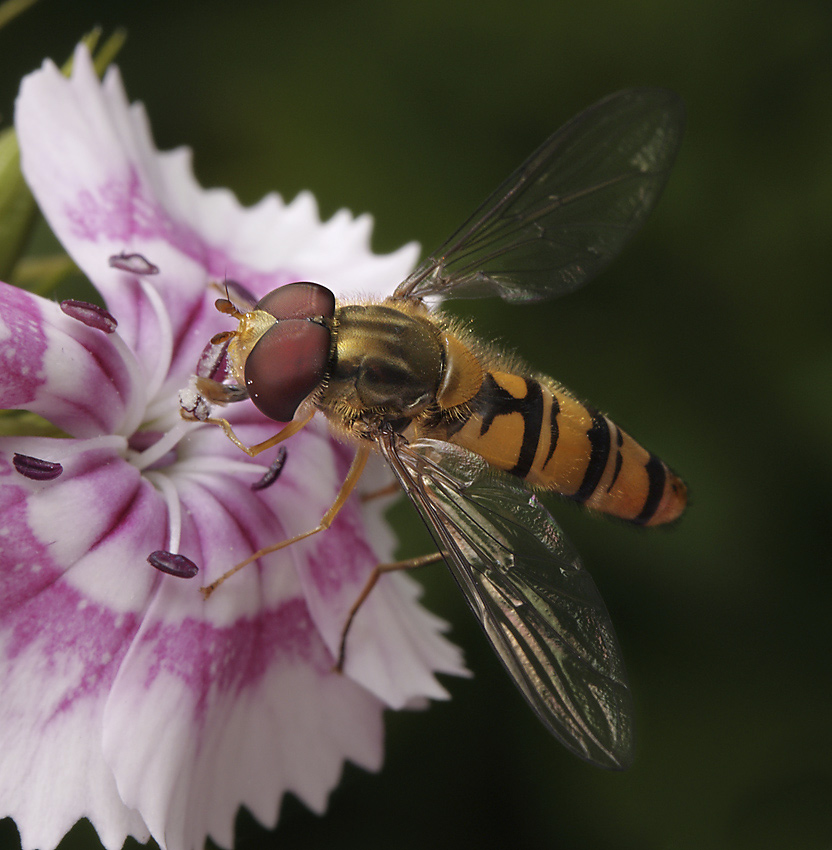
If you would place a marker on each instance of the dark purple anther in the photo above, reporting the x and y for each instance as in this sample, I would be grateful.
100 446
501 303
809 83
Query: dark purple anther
172 564
273 472
134 263
36 468
91 315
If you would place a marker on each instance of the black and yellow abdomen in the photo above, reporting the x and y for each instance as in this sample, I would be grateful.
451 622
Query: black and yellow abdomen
539 432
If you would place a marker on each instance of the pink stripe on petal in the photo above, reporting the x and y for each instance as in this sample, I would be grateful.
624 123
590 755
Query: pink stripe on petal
391 649
22 347
95 525
203 656
56 366
26 566
393 646
69 630
59 655
246 711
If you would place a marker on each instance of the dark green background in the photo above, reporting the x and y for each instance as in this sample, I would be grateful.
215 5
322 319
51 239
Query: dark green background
710 340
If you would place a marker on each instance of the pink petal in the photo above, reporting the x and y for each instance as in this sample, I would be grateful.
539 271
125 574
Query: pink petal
232 701
205 718
91 528
77 377
181 709
69 608
394 646
58 657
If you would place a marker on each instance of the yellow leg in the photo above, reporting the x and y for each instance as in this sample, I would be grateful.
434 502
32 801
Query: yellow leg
285 432
358 464
378 571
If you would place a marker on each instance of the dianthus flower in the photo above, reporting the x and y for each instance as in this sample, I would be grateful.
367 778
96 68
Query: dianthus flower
125 697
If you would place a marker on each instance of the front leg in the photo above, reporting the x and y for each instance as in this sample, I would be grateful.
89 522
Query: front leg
195 406
286 431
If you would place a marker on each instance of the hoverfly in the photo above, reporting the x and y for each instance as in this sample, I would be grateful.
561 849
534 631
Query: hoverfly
469 434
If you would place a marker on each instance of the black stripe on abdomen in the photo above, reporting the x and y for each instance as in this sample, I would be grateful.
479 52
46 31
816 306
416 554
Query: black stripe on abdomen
493 400
532 425
656 478
599 441
619 458
554 430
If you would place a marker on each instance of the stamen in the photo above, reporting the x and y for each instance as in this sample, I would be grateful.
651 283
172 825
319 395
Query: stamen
168 441
172 564
195 468
137 398
273 472
36 468
135 263
164 353
171 496
91 315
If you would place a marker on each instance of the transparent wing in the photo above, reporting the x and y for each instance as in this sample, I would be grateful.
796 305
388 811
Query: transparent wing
524 581
568 210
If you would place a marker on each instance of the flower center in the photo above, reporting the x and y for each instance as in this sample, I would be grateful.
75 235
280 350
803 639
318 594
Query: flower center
156 449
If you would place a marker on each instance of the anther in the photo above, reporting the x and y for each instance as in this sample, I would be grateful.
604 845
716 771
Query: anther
90 315
273 472
134 263
36 468
172 564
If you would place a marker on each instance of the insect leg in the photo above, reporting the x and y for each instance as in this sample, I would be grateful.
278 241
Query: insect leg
287 431
357 467
378 571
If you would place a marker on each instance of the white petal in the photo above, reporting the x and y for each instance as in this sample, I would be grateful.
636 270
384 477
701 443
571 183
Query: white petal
394 646
203 718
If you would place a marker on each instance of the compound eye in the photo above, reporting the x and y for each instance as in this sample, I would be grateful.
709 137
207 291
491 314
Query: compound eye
285 365
298 301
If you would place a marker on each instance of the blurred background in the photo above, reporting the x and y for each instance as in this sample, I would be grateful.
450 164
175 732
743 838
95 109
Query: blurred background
710 340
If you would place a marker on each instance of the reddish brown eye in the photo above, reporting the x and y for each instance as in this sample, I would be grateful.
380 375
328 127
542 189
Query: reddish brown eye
298 301
287 363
